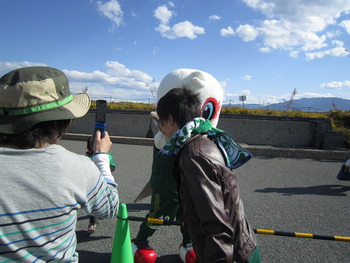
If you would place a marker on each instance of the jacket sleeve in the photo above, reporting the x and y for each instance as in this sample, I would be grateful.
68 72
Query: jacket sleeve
102 200
202 189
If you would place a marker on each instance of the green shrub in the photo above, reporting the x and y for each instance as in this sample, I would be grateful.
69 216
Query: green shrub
341 123
340 118
127 106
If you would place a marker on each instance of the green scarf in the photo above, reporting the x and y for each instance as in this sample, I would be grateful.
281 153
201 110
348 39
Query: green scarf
235 155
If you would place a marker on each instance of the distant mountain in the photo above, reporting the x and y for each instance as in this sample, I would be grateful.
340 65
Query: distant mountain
306 104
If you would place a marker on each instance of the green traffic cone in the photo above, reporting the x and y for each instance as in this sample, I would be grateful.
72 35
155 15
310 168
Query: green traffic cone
122 251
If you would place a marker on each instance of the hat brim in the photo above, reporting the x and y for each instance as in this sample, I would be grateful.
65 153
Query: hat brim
76 108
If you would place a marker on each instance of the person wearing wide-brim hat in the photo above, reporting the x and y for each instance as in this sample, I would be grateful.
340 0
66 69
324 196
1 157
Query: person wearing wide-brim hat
42 183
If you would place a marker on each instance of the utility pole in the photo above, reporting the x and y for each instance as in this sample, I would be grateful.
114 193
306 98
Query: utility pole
243 98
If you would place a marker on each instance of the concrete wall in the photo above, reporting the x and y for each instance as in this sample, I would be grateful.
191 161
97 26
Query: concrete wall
118 124
269 132
252 130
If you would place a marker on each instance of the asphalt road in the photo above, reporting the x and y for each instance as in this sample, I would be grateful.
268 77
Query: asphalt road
282 194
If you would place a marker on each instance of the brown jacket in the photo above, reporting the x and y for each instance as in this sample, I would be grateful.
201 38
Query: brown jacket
212 208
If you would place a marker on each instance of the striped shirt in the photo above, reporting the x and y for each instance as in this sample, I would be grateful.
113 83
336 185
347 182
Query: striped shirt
40 193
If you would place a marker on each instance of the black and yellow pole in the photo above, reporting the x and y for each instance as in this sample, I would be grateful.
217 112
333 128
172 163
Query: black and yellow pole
157 221
301 235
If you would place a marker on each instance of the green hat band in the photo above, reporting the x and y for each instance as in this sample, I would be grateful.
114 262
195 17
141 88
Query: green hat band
36 108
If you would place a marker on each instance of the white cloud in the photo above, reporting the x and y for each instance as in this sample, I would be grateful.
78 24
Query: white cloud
223 83
337 51
155 50
247 77
264 7
165 31
133 14
314 95
311 41
118 81
275 35
265 50
181 29
186 29
301 25
163 14
247 32
333 34
227 31
116 68
346 25
214 17
336 84
112 10
246 92
294 54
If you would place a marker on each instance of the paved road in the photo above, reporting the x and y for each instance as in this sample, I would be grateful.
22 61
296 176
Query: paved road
284 194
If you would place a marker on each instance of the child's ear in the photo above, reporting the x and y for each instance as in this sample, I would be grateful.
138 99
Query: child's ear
173 123
171 119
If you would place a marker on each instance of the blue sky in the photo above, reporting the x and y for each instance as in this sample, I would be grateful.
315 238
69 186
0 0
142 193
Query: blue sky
121 49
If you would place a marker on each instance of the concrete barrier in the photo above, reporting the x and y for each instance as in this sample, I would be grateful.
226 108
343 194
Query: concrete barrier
128 123
315 133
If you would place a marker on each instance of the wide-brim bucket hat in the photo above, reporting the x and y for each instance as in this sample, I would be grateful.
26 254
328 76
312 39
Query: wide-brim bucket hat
32 95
